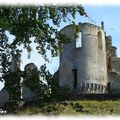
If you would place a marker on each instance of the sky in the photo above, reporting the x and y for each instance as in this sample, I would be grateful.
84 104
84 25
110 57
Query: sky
109 14
111 17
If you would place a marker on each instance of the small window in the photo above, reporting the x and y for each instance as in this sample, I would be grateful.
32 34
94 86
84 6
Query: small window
79 40
99 40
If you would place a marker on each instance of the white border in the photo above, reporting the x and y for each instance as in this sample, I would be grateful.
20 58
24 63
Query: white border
58 2
37 117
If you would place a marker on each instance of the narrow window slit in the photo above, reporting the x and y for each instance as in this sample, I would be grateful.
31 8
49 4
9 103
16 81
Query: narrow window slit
79 40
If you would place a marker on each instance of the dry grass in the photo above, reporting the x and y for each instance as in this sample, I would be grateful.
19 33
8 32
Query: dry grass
75 107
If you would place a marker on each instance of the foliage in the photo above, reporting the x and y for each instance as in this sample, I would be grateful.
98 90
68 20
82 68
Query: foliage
12 85
55 86
27 22
77 30
45 74
40 23
77 107
52 83
4 54
32 79
56 92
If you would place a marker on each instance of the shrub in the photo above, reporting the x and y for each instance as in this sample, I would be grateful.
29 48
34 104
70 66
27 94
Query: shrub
77 107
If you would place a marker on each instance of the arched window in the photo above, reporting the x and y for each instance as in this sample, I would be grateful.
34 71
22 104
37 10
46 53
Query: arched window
99 34
79 40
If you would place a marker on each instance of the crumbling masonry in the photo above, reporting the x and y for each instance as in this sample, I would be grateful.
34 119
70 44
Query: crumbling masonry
89 64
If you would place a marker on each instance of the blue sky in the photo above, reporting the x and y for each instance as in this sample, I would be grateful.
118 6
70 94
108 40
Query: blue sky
111 17
109 14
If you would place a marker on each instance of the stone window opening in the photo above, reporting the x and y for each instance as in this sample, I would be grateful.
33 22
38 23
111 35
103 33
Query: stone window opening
79 40
99 35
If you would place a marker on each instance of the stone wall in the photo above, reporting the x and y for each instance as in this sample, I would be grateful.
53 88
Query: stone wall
88 60
66 59
114 80
4 97
116 65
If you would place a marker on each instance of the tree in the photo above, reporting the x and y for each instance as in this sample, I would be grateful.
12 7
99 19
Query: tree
27 22
39 23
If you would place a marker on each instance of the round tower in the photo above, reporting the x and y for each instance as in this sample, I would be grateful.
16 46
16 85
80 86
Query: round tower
84 66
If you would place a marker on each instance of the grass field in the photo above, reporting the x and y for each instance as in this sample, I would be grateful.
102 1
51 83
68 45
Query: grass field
75 107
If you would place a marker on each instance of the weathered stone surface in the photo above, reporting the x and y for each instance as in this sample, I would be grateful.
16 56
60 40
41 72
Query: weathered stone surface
89 60
116 65
114 80
4 97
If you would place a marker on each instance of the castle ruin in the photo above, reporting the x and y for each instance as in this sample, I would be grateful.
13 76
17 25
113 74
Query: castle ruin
89 63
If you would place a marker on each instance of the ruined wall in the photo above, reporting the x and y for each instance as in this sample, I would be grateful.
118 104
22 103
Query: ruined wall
101 56
114 76
113 67
114 52
114 80
89 60
108 52
4 97
116 65
67 60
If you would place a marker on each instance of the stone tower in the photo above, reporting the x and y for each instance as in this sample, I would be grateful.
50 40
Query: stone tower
83 61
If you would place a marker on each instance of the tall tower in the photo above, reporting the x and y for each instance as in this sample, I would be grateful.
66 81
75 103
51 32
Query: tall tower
83 61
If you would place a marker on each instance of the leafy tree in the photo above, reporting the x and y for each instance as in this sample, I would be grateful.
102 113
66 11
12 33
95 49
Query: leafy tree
28 22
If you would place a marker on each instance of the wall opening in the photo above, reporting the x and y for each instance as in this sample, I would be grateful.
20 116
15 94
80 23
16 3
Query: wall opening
109 64
79 40
83 86
109 87
75 77
99 34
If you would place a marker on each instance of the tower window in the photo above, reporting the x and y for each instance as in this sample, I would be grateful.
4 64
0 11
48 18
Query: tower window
79 40
99 40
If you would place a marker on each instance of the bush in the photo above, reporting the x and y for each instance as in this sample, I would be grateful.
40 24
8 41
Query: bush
77 107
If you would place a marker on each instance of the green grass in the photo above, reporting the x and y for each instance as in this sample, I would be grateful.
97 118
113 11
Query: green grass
75 107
